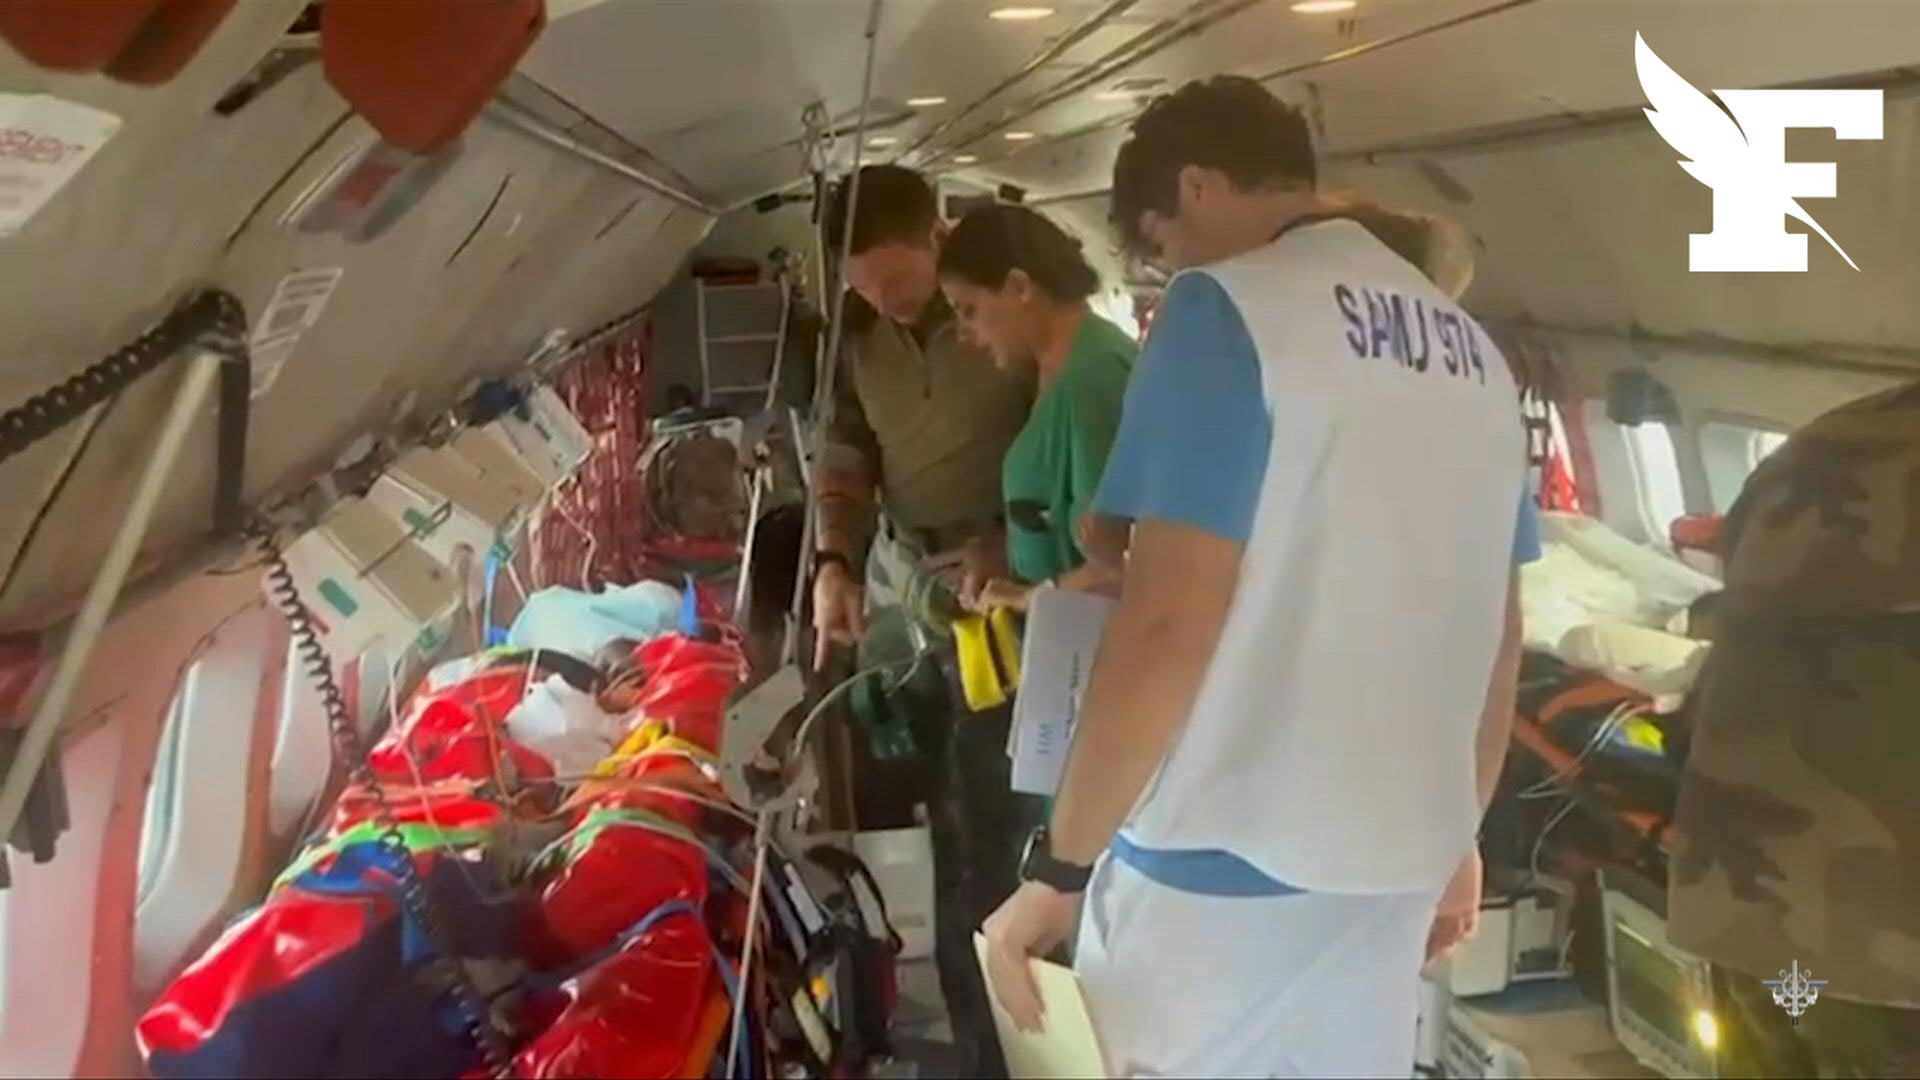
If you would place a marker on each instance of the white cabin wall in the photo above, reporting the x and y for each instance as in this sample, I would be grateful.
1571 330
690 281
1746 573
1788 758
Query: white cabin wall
71 925
1789 395
182 197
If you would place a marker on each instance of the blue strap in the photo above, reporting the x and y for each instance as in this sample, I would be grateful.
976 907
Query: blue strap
495 636
689 610
1204 872
554 980
348 875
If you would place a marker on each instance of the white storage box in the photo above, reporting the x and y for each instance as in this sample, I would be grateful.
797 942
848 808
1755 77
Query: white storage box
447 476
551 440
501 466
361 579
437 523
901 861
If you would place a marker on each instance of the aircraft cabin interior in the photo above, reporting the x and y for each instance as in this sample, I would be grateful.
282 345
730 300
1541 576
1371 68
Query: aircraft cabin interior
416 425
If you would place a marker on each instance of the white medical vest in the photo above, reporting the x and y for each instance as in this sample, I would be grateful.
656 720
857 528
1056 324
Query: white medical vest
1332 741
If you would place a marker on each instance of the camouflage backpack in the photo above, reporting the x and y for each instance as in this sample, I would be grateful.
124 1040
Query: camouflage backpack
1799 819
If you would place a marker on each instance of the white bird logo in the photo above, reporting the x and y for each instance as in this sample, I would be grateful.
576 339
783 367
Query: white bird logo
1716 149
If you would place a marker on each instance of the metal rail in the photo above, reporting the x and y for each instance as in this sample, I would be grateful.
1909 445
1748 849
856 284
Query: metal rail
519 118
202 373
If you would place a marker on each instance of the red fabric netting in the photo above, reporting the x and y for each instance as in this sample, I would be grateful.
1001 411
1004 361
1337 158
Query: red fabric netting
607 392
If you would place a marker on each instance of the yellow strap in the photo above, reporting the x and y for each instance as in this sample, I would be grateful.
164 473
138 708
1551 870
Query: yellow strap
979 680
1006 641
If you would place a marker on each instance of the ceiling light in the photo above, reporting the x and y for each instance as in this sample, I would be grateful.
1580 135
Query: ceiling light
881 142
965 159
927 102
1018 136
1115 95
1324 7
1020 14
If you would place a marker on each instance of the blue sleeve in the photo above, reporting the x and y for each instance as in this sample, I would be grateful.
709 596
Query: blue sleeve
1526 535
1195 434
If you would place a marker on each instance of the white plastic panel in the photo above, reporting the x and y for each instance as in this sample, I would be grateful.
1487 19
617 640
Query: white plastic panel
198 820
51 920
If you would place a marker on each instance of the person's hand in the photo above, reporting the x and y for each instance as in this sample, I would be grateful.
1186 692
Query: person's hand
839 617
967 569
982 560
1033 922
1001 593
1458 914
1103 540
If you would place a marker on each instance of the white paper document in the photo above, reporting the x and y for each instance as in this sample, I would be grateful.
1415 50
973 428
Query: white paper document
1062 636
44 143
1068 1047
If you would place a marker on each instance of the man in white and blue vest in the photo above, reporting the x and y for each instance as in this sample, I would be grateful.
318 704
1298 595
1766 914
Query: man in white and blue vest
1300 707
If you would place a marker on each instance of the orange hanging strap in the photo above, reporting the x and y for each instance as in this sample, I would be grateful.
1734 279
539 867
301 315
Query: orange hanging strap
168 40
420 71
73 35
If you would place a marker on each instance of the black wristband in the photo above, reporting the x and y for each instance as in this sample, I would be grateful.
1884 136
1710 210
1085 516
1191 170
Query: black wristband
1038 864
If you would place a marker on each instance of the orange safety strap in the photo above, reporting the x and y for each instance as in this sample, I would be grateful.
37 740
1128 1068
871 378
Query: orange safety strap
168 40
73 35
420 71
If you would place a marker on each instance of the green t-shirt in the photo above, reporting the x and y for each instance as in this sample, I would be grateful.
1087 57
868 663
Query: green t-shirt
1052 470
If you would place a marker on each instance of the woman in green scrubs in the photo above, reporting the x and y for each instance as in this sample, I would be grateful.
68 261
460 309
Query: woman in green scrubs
1019 287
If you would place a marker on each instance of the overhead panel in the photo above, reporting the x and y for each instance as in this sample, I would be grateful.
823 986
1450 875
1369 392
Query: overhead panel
511 243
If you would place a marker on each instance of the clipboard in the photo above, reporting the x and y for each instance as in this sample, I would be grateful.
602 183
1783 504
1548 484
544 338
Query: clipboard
1068 1048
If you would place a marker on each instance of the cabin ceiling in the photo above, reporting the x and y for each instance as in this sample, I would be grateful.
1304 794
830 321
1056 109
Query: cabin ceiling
1584 229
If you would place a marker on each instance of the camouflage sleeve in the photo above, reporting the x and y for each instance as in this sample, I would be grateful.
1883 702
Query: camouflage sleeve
847 476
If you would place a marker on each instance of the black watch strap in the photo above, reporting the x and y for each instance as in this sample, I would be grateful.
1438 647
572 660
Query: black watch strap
1039 864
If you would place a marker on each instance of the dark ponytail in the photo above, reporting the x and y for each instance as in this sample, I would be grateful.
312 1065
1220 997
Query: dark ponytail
996 240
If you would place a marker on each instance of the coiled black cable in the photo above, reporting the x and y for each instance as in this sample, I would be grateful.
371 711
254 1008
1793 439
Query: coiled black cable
285 596
208 312
215 319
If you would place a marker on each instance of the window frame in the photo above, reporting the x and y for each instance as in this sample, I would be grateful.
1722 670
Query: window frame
1714 455
204 777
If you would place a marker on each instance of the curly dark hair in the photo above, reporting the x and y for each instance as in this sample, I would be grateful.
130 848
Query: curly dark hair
1228 122
994 241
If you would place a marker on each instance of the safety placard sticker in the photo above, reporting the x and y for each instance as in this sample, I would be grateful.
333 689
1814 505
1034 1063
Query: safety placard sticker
294 309
44 143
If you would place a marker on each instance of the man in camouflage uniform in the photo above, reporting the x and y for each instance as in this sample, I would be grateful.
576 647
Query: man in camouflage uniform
909 507
1799 818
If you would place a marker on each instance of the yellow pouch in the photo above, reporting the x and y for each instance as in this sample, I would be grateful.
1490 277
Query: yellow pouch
979 677
988 649
1005 630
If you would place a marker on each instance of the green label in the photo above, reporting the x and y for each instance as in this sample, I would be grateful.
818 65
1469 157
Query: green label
337 595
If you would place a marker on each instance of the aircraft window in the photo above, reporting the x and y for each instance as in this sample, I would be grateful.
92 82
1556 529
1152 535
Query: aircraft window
157 833
199 805
1626 468
302 749
1656 468
1731 451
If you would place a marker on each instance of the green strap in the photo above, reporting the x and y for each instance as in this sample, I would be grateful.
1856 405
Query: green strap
600 818
416 836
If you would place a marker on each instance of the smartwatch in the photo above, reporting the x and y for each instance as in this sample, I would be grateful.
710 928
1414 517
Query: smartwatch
1038 864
